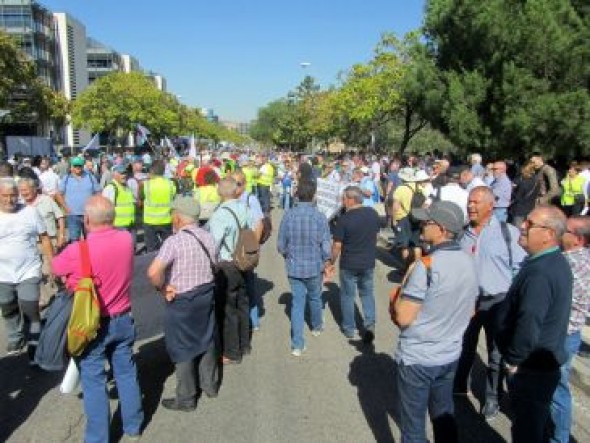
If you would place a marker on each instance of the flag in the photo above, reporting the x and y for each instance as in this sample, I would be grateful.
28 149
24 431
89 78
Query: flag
92 144
192 147
142 134
169 145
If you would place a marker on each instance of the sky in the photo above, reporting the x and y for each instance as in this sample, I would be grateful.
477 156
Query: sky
235 56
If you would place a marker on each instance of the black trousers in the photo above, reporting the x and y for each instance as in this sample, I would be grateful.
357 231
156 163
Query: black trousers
206 368
485 319
154 236
233 310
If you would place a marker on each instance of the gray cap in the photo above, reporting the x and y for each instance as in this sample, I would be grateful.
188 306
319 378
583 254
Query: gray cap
447 214
187 205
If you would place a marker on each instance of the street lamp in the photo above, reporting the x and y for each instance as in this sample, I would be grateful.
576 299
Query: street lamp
3 113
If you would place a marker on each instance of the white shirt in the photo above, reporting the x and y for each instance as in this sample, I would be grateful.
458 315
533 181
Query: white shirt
49 182
454 193
19 256
376 170
476 182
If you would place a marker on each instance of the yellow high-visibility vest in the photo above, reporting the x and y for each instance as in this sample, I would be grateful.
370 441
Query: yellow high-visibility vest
124 206
159 193
251 174
267 175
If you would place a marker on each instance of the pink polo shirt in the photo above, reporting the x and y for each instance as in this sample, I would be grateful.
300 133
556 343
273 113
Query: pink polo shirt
111 258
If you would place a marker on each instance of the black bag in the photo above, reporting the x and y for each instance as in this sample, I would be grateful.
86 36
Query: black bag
417 202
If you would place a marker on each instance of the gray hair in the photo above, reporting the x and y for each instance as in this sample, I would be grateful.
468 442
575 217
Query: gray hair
486 192
582 227
476 157
226 188
554 219
354 193
7 182
100 211
28 182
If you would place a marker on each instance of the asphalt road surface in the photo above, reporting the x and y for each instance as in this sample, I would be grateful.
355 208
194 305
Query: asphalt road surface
339 391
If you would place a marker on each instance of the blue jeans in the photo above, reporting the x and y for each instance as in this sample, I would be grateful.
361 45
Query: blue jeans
422 388
303 289
264 196
561 403
349 282
286 197
501 214
253 297
75 226
115 343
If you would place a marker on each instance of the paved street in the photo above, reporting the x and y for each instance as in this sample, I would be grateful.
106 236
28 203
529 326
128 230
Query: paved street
338 391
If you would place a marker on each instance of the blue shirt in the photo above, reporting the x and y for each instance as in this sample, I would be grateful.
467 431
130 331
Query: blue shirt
76 190
253 204
222 225
491 256
304 241
502 189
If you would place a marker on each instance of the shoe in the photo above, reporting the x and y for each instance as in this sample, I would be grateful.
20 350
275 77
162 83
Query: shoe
316 332
228 361
350 335
14 348
211 394
173 405
490 410
247 351
131 438
368 336
256 329
297 352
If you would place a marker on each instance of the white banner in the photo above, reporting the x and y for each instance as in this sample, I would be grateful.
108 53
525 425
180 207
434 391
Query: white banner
328 197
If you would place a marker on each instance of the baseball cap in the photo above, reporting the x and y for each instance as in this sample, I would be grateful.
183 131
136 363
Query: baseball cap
187 205
121 169
77 161
447 214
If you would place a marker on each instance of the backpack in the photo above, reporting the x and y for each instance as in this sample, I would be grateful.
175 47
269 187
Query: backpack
247 250
85 317
417 201
397 290
266 224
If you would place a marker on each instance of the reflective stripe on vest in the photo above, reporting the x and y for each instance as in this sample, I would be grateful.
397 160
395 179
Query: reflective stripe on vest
124 206
266 175
159 193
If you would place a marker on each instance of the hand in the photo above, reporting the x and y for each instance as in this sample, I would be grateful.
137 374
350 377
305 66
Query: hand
169 293
329 273
511 369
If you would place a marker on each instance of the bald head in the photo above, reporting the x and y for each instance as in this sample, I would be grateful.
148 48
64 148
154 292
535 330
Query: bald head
99 212
226 188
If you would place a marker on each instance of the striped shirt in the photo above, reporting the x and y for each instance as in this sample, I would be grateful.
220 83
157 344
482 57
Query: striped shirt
188 265
304 241
579 260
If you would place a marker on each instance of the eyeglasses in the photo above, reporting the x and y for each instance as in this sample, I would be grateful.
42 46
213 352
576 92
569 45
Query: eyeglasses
529 224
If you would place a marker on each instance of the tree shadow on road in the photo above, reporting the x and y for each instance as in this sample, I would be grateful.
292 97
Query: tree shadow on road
374 377
21 389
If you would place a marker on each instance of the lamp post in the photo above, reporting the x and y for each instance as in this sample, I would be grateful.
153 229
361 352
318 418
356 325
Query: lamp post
3 113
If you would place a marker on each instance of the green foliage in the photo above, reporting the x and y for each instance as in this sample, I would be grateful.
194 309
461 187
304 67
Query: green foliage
515 75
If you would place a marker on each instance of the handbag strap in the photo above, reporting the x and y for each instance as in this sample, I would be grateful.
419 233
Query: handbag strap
86 267
205 250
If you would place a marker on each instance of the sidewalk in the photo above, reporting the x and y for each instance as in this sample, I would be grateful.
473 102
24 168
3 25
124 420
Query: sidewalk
580 375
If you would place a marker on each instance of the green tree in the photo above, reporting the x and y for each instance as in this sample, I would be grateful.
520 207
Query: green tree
515 75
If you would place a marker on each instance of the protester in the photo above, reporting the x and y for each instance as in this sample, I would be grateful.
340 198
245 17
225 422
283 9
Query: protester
452 192
432 312
231 297
493 245
532 325
502 190
21 227
48 178
469 181
524 194
122 198
304 241
354 232
573 198
477 169
546 175
182 272
55 224
111 260
575 241
158 194
264 183
74 189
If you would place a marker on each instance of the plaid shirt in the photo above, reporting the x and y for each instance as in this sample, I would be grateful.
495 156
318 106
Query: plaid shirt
188 264
579 260
304 241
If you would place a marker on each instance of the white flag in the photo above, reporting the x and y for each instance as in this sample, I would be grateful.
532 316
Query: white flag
192 147
170 146
92 144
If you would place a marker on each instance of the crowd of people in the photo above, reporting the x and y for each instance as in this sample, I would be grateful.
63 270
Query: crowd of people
499 247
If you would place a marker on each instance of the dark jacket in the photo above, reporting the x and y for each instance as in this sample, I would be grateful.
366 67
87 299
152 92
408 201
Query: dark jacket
524 196
532 322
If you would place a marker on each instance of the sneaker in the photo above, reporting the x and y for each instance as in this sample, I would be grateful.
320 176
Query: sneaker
130 438
316 332
228 361
14 348
173 405
490 410
297 352
350 334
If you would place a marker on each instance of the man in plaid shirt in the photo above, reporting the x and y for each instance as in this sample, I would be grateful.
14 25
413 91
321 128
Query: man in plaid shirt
575 245
304 241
